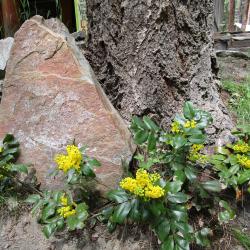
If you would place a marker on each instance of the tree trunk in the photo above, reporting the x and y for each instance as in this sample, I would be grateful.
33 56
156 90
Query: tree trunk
231 15
245 16
11 21
151 56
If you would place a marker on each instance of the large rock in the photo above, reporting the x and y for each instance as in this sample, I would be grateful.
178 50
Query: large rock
5 47
51 97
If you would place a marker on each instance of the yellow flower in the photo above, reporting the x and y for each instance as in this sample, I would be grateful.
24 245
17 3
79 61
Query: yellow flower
241 147
190 124
194 154
139 191
143 185
175 127
1 149
70 161
142 178
154 192
244 161
197 147
69 213
66 211
128 184
154 177
64 200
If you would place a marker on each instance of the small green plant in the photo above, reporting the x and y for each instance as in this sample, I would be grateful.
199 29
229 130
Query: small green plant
232 162
169 182
10 172
57 209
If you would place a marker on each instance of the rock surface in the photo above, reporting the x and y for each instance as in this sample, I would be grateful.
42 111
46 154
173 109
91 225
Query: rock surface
51 97
5 47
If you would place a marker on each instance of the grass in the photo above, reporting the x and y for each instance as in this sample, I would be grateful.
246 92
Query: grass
242 238
239 101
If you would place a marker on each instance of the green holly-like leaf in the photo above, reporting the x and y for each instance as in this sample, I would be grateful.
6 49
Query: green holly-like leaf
188 110
73 222
156 208
201 237
243 176
190 173
121 212
214 186
179 141
8 138
21 168
118 195
152 142
178 212
88 170
150 124
226 215
162 230
48 211
135 213
178 197
173 186
168 244
49 229
141 136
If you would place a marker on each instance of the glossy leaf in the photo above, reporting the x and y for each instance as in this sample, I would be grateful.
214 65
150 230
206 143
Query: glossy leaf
49 229
226 215
48 211
141 137
188 110
150 124
121 212
118 195
174 186
19 168
201 237
163 229
168 244
243 176
178 197
88 171
190 173
152 142
213 186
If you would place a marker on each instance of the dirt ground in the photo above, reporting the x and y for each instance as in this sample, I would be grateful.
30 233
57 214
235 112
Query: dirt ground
20 231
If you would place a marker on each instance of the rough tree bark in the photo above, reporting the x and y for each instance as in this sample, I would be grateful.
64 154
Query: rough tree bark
151 56
231 15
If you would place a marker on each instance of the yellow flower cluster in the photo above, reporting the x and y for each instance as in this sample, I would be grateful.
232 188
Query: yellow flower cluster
70 161
241 147
244 161
175 127
1 149
194 154
143 185
66 210
190 124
